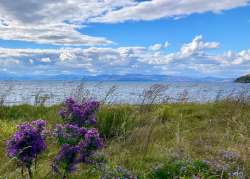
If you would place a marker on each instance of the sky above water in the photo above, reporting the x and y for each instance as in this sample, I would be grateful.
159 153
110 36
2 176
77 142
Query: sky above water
195 38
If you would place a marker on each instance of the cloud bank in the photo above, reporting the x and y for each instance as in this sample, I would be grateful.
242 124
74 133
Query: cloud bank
193 58
53 22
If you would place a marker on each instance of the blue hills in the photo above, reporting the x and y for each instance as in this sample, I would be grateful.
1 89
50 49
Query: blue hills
128 77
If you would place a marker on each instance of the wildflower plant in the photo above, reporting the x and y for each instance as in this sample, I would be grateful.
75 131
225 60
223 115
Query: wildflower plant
27 143
79 141
81 114
73 153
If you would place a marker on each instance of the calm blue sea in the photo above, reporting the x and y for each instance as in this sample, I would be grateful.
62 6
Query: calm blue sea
26 92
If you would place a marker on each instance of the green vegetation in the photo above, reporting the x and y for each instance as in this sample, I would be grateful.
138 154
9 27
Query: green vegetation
149 141
243 79
183 168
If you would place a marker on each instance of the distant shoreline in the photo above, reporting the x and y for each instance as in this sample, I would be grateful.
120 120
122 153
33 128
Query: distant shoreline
113 81
119 78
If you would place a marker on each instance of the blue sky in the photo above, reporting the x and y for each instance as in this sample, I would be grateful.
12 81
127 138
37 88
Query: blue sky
189 38
230 28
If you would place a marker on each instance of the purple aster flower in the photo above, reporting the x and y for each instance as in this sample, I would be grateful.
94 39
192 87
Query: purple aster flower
90 144
39 124
93 140
66 160
26 144
69 134
81 114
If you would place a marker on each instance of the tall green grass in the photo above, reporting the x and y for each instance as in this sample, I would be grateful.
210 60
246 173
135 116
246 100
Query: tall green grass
142 138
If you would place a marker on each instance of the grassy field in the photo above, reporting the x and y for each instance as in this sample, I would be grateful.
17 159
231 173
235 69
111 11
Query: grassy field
139 139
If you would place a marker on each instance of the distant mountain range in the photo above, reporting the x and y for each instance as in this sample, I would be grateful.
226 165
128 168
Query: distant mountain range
128 77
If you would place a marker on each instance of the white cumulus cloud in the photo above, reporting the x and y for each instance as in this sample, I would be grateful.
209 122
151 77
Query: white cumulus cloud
53 22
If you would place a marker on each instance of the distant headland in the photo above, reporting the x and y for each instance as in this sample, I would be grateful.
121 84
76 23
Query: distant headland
243 79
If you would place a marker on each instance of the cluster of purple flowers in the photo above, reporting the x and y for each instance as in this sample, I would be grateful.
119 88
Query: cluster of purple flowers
71 155
81 114
78 143
27 142
40 126
90 144
66 159
69 134
92 140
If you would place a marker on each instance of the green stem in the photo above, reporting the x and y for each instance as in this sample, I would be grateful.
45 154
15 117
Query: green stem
30 173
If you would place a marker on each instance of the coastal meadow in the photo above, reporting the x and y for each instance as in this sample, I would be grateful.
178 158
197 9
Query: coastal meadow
89 139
